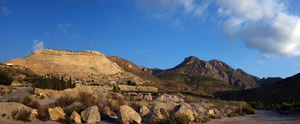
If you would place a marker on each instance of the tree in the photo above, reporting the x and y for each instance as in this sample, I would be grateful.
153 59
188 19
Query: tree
5 79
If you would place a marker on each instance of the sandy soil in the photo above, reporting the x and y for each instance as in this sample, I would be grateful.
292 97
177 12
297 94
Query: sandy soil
261 117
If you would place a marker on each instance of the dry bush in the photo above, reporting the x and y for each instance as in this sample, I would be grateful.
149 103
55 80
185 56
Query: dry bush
65 101
13 100
43 114
24 115
28 101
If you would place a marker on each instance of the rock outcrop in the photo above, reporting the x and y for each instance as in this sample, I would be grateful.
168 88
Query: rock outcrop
128 115
56 113
80 64
137 88
169 98
91 115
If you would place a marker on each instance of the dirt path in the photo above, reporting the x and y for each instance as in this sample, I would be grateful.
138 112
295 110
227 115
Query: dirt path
261 117
20 93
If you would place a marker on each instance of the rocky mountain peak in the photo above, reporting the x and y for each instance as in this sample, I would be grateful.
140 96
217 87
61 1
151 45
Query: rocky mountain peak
191 59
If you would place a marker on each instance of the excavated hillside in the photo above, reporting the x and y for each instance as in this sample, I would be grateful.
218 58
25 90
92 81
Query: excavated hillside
90 66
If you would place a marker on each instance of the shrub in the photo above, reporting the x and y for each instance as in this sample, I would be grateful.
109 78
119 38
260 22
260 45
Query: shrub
85 99
181 119
13 100
43 114
285 106
248 110
24 115
3 115
67 120
30 103
5 79
64 101
131 83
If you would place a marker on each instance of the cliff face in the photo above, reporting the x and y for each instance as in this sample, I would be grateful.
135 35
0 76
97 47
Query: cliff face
79 64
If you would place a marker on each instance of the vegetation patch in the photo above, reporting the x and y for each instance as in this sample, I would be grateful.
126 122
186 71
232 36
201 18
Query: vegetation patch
5 79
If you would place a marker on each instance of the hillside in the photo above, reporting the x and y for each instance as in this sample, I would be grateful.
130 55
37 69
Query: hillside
192 84
86 66
285 90
192 68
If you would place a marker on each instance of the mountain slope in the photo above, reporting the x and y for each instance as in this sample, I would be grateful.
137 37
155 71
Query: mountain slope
285 90
182 83
194 67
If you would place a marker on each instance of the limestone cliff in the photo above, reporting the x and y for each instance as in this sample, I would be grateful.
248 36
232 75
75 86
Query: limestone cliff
79 64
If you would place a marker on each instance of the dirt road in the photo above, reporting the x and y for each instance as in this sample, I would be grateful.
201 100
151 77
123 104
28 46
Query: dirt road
261 117
20 93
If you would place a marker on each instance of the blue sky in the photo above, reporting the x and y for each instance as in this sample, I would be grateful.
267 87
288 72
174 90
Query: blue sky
258 36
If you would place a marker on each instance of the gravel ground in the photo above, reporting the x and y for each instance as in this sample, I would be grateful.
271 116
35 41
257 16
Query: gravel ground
261 117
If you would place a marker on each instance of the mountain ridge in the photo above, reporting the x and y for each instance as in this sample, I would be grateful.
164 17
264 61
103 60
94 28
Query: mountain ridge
214 68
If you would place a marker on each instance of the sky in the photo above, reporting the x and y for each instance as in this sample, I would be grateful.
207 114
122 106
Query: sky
262 37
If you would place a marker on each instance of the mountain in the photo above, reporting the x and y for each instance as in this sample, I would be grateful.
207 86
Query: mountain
268 81
285 90
193 67
77 64
206 87
132 68
87 66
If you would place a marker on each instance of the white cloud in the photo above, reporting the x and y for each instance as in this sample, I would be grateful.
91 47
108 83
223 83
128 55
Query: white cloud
264 25
167 10
63 27
5 11
37 45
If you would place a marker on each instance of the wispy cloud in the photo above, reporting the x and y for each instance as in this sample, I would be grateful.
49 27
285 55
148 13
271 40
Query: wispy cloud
5 11
63 27
77 36
37 45
168 10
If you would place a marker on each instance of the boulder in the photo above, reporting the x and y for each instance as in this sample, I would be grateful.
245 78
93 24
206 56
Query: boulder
201 110
56 113
106 110
128 115
182 110
148 97
169 98
144 111
78 105
156 116
33 114
228 111
75 117
210 112
198 119
216 111
91 115
164 112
